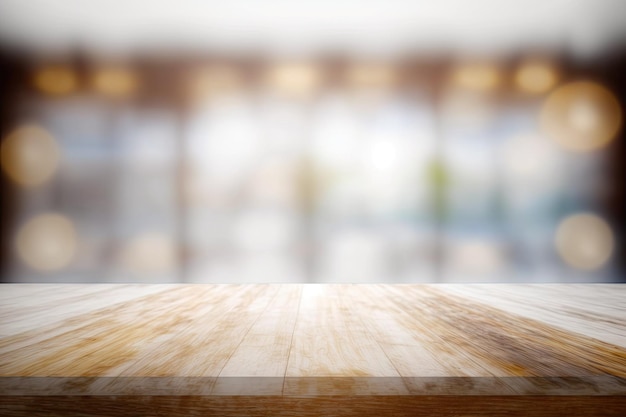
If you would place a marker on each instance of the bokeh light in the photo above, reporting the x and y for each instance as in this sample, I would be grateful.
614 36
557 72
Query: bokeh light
477 76
55 80
115 81
374 75
47 242
581 116
536 76
215 80
584 241
297 79
29 155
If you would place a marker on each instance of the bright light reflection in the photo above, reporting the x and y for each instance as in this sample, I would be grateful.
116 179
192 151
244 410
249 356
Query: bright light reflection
581 116
30 155
584 241
47 242
115 82
535 77
55 80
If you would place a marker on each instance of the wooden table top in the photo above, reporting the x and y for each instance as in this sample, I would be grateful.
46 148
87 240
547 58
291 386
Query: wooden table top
313 339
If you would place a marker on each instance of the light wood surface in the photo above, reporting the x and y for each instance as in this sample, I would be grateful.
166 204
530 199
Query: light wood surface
312 340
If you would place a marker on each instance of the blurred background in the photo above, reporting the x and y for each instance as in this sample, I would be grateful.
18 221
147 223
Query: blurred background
346 141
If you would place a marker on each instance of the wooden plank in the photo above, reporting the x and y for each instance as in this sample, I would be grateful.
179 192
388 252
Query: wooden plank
537 355
61 325
204 345
428 363
28 310
513 343
332 351
599 313
96 342
258 364
311 340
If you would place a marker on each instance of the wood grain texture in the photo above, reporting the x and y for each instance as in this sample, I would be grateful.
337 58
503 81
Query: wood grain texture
327 406
144 344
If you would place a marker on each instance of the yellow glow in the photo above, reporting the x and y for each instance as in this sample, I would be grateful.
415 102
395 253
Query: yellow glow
371 76
115 82
581 116
536 77
55 80
584 241
29 155
149 253
216 80
294 78
477 77
47 242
